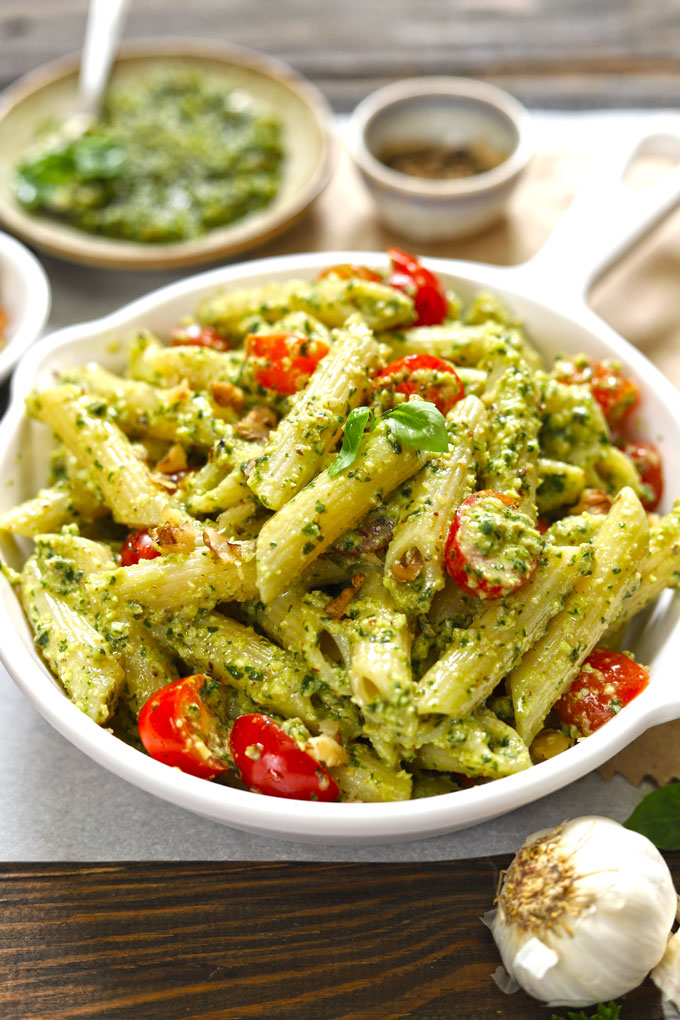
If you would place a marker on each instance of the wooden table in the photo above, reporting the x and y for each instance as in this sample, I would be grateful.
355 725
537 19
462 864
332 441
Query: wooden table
294 941
277 941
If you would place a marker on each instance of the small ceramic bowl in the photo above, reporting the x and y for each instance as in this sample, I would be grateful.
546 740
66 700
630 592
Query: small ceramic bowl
455 117
24 299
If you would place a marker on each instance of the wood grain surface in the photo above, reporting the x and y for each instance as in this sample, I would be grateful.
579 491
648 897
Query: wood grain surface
584 53
278 941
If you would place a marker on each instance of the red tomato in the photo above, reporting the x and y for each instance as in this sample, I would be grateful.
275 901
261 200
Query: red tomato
284 361
542 525
346 271
608 680
137 546
427 291
616 395
196 335
271 762
490 551
647 460
178 728
410 374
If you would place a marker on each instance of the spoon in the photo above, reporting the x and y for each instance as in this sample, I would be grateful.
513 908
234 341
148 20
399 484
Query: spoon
104 28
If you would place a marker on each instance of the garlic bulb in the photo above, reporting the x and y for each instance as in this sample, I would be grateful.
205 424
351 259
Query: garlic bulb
584 913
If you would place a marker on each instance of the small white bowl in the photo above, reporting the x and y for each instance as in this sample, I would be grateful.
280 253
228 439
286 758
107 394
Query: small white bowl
25 297
456 113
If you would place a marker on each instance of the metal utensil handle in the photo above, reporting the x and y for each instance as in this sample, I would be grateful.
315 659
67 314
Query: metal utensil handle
104 28
605 219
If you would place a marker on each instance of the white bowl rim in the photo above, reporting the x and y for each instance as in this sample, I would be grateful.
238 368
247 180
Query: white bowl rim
480 92
37 307
338 823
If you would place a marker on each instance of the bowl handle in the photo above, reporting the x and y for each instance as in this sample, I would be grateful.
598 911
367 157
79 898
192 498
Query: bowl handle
605 219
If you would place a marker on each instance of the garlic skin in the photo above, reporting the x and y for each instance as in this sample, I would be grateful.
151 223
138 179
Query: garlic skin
584 913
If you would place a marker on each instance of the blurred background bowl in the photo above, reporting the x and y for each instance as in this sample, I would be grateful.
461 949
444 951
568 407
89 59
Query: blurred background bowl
25 299
51 92
457 117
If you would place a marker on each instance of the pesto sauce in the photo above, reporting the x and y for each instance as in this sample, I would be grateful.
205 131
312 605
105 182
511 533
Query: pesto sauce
173 156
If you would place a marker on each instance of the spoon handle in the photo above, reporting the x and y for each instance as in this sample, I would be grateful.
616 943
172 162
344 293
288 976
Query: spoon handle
105 22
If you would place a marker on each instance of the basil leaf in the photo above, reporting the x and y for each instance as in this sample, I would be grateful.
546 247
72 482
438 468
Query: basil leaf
355 426
418 423
605 1011
95 157
657 817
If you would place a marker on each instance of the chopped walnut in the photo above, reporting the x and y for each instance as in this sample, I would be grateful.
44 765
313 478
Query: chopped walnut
326 750
409 566
173 537
176 394
337 607
592 501
220 546
175 460
225 394
163 481
257 424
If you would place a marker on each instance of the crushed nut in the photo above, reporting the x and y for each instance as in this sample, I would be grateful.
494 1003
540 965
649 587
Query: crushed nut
175 460
592 501
172 537
257 424
409 566
225 394
337 607
326 750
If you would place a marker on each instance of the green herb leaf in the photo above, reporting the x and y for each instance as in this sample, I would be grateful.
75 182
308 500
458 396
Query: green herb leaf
605 1011
418 423
95 156
355 426
90 158
657 817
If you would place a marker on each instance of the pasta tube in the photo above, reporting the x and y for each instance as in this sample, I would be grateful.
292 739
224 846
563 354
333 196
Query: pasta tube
105 453
479 657
419 538
596 602
299 444
299 532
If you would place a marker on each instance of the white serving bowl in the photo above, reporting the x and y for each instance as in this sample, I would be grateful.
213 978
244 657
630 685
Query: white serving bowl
25 297
23 459
455 112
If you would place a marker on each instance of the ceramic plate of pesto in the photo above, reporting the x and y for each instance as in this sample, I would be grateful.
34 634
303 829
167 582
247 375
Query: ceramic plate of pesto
557 321
202 151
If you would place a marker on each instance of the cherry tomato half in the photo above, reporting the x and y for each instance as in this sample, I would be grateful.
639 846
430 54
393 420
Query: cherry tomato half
542 525
616 395
196 335
137 546
178 727
647 459
608 680
271 762
421 374
284 361
426 289
493 547
348 271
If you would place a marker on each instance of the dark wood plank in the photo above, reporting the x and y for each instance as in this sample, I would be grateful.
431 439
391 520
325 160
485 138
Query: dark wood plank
552 54
206 941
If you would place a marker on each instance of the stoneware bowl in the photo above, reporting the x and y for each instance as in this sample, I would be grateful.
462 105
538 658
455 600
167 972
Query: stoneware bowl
51 91
25 299
453 112
548 294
